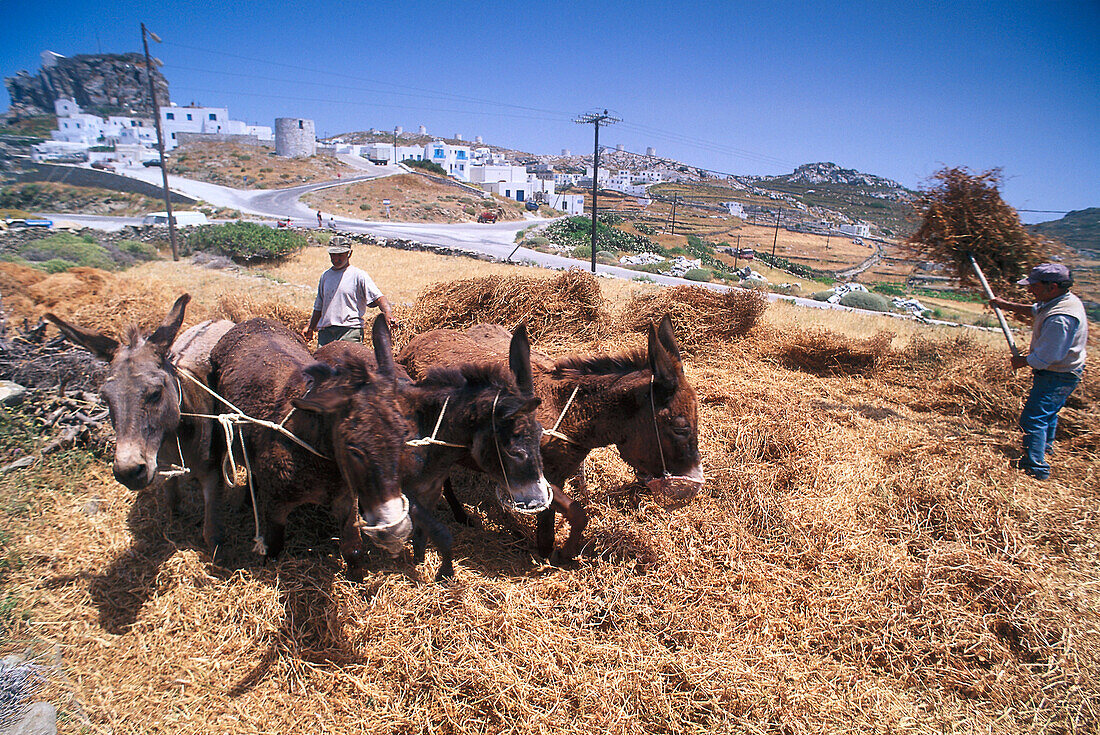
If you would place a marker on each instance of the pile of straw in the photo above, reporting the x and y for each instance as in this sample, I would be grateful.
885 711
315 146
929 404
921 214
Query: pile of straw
963 214
701 316
566 305
238 309
822 352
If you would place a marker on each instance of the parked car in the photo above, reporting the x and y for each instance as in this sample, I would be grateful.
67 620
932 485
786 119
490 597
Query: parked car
151 162
102 166
182 219
20 223
487 216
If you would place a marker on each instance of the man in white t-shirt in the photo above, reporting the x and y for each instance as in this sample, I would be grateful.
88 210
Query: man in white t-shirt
343 295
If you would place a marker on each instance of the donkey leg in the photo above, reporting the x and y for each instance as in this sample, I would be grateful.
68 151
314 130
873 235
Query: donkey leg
544 532
577 517
275 533
345 508
442 540
213 531
457 508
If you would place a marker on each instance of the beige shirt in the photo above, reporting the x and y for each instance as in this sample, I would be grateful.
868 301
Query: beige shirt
343 297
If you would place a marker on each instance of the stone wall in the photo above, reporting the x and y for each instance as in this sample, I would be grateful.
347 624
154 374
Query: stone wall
252 140
77 176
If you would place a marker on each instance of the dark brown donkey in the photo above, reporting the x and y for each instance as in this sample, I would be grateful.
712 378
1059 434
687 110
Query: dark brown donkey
485 415
640 401
145 396
352 420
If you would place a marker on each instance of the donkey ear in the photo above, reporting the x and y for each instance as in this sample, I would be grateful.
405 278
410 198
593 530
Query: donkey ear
319 372
383 347
665 366
668 337
328 402
166 332
99 345
519 359
321 401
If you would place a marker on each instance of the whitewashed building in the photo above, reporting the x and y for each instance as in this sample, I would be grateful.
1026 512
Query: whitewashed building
197 120
455 159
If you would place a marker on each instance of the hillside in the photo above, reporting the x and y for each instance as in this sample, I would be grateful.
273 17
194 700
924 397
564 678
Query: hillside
1079 230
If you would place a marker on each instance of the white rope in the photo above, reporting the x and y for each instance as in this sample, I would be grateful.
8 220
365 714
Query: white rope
554 431
177 470
431 440
496 441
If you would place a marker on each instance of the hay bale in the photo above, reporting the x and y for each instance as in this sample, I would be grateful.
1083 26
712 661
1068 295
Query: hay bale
822 352
567 305
962 215
237 309
70 285
700 315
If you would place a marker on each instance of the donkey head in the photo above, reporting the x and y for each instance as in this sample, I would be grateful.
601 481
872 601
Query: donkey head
141 391
368 435
506 444
668 446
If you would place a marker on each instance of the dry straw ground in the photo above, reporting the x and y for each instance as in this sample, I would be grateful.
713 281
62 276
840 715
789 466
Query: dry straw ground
863 559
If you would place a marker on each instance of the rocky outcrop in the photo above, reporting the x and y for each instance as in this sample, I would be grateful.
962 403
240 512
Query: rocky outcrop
100 83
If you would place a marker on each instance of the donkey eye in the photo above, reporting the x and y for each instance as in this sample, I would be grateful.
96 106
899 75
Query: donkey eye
154 396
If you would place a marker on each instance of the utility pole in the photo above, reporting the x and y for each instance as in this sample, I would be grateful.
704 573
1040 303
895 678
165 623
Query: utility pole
145 34
675 198
395 146
595 118
736 252
778 214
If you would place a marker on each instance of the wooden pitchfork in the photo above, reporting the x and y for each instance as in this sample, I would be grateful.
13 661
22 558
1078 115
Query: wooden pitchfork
1000 316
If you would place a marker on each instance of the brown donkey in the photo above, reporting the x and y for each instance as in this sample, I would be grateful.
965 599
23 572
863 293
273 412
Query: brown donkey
640 401
482 414
146 396
350 422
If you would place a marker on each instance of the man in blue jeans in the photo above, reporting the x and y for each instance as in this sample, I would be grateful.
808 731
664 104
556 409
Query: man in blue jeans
1059 333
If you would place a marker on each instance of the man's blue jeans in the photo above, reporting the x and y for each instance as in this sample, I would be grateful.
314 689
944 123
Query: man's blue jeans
1039 419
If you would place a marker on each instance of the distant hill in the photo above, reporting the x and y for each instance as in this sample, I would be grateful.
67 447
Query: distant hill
1079 230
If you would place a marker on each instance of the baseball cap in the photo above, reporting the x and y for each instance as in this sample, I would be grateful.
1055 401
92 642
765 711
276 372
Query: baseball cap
1047 273
339 244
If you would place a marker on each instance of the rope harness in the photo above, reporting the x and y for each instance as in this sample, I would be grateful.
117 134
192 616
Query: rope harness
230 423
431 440
554 431
657 429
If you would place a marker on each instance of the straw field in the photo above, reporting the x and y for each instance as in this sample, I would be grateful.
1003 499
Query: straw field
863 557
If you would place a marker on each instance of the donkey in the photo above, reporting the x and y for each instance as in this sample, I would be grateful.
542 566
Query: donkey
351 423
145 397
640 401
478 413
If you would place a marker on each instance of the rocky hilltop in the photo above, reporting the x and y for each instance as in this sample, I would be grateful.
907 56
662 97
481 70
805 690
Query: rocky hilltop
830 173
100 83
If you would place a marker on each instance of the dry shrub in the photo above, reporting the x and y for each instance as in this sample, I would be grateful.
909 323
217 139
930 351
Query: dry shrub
238 310
566 305
700 315
963 214
75 284
822 352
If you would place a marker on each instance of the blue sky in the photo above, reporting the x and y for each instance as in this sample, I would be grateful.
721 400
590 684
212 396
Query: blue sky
897 89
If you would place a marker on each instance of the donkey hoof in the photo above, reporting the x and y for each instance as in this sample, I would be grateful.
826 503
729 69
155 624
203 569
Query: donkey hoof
445 574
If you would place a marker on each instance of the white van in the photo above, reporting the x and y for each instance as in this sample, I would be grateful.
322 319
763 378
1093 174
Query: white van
183 219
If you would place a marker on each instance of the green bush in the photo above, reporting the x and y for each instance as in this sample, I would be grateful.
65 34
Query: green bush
246 241
606 254
643 279
866 300
699 274
823 295
56 265
428 166
583 251
757 284
78 250
365 207
650 267
890 289
538 241
142 250
577 232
